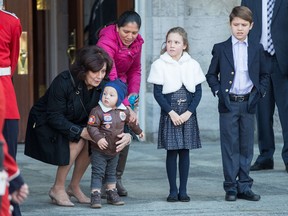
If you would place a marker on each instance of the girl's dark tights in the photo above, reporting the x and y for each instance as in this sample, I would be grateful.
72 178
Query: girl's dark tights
171 168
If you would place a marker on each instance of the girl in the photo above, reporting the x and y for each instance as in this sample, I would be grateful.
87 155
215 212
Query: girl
177 82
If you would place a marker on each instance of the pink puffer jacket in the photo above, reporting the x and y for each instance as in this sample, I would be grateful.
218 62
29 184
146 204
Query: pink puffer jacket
127 61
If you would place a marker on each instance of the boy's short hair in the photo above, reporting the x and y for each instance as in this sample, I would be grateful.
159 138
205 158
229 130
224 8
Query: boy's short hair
242 12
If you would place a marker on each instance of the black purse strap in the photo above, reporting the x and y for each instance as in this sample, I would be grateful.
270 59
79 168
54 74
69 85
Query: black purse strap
77 92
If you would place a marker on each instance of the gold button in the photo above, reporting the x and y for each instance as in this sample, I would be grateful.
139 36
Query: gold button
230 82
232 72
226 90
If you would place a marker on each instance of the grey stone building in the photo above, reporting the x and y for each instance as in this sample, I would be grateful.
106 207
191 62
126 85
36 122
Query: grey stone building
207 23
59 26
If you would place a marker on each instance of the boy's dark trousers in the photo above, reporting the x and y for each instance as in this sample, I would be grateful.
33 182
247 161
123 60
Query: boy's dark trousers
237 140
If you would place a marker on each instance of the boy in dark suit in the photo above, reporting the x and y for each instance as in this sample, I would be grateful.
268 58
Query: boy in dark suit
238 77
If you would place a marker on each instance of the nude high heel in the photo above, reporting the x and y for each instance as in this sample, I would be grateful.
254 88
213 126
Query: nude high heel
80 196
60 199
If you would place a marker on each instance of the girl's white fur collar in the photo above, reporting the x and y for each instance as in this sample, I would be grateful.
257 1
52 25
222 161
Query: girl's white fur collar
173 74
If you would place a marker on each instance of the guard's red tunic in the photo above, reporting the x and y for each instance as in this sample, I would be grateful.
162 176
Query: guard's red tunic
10 32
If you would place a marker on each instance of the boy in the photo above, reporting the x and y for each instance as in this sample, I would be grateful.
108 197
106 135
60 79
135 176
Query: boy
238 77
106 122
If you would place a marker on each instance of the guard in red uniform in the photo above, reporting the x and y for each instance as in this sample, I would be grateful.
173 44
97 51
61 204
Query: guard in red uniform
18 189
10 31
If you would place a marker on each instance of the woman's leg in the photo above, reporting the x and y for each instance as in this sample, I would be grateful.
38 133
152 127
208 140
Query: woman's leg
122 191
120 170
57 192
82 161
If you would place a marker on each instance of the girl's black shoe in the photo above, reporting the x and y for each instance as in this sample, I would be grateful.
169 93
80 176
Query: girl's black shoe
172 198
184 198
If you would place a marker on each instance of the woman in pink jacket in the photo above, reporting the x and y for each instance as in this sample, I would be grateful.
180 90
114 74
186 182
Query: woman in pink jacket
123 43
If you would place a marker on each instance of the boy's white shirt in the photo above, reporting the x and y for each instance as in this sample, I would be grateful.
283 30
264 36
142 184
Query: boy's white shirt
107 109
173 74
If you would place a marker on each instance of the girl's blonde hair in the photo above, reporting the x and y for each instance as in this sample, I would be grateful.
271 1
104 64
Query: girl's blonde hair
181 31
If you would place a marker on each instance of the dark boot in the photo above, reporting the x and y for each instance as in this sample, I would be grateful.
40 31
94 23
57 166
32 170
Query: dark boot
120 170
120 188
113 197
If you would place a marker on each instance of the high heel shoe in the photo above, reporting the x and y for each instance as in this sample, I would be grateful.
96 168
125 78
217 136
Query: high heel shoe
80 196
61 200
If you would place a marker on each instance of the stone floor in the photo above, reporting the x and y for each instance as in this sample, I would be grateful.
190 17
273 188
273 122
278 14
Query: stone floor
146 180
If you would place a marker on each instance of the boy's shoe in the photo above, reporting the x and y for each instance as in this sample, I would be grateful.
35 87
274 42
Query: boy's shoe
113 197
96 199
231 196
249 195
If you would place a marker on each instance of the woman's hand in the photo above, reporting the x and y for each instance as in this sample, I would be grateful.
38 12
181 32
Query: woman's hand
185 116
102 143
176 119
125 139
85 135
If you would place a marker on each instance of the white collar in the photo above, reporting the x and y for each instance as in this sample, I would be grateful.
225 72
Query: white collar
235 40
107 109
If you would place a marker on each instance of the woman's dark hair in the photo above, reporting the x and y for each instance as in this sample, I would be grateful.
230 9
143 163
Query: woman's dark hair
90 58
129 17
124 19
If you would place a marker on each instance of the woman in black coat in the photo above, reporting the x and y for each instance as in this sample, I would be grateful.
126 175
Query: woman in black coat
56 131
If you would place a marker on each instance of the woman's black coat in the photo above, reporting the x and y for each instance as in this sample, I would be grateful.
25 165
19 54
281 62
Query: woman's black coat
59 117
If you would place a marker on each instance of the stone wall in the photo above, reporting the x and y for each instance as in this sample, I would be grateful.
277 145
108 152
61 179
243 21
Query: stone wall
207 23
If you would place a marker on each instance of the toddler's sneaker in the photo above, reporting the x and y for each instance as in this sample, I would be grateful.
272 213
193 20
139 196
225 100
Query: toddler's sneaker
113 197
96 199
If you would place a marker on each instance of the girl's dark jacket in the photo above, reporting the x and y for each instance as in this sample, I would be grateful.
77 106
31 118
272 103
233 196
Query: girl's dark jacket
59 117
